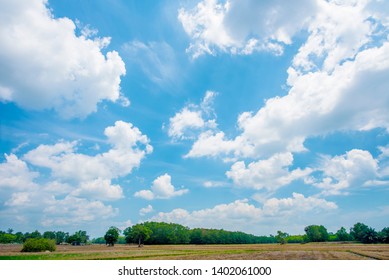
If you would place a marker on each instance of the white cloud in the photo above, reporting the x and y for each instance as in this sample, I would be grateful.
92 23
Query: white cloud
317 103
18 199
243 216
129 147
185 120
337 33
244 26
210 143
295 204
340 173
15 174
267 174
45 65
193 118
146 210
99 189
76 211
213 184
71 193
161 188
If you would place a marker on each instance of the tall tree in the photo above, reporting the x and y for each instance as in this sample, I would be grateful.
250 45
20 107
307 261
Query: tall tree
137 233
383 235
358 231
343 235
111 236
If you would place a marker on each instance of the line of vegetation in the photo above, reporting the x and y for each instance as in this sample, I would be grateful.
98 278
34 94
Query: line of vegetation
171 233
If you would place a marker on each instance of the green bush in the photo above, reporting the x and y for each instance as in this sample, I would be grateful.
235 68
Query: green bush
39 245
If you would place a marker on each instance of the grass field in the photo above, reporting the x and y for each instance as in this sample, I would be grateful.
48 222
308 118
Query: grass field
309 251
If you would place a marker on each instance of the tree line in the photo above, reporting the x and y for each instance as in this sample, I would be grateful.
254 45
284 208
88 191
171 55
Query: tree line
78 238
170 233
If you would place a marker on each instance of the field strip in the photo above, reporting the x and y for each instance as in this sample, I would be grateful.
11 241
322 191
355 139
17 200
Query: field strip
364 255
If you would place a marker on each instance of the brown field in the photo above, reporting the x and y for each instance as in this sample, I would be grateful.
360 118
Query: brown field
309 251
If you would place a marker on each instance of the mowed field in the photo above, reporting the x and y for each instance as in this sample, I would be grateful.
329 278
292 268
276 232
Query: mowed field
309 251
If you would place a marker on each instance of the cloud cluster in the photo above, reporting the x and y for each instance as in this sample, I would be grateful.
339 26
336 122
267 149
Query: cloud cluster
339 173
244 26
45 65
345 57
161 188
69 185
267 174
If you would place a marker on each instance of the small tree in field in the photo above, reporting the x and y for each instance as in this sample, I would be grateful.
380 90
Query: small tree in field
111 236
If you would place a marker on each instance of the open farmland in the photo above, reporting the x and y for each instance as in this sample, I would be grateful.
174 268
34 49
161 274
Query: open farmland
309 251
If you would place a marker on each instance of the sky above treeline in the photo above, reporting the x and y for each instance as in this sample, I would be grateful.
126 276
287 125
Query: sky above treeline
241 115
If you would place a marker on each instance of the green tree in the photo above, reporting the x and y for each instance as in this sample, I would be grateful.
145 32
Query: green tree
383 235
78 238
343 235
370 236
6 238
112 236
282 237
61 237
19 237
49 235
35 234
316 233
358 231
137 233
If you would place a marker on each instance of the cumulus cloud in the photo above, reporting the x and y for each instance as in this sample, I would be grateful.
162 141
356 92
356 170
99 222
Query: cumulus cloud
244 216
45 65
318 100
244 26
76 185
298 202
338 174
161 188
193 118
267 174
129 147
146 210
183 120
76 211
99 189
15 174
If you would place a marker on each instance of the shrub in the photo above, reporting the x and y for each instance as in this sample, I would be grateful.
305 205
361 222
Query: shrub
38 245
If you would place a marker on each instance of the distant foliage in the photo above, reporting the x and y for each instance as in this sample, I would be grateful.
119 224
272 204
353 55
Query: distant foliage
38 245
343 235
296 239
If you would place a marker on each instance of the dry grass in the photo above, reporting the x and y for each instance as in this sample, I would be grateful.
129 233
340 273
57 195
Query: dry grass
310 251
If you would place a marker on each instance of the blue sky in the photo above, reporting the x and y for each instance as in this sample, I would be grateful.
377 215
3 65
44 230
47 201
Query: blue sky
244 115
